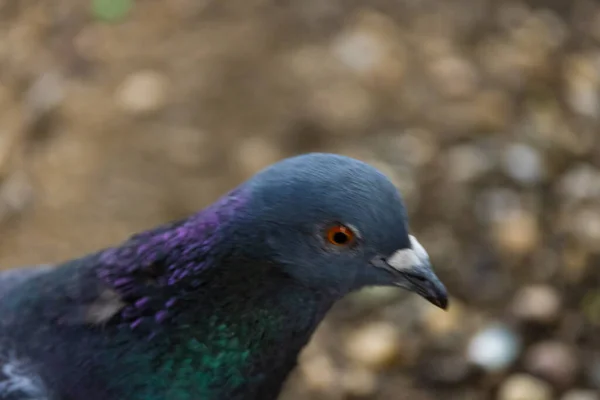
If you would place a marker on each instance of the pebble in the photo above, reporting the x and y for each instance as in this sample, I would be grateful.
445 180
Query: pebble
580 394
518 233
441 323
512 15
371 48
360 51
417 147
319 372
454 76
585 224
523 163
375 346
45 95
342 106
593 372
16 193
187 147
514 227
537 303
582 83
494 348
524 387
255 153
496 204
579 183
467 162
447 369
359 381
554 361
142 92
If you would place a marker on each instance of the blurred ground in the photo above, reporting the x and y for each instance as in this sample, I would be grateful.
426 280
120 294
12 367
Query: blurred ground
485 113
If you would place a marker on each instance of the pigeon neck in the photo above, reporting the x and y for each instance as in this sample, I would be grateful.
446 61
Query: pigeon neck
169 262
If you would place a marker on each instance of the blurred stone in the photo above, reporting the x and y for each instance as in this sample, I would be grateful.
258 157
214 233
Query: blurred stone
358 381
590 308
582 79
488 111
523 163
454 76
143 92
593 371
537 303
45 94
494 348
255 153
446 369
372 48
375 346
503 61
548 126
575 260
342 106
546 264
16 193
467 162
543 29
441 243
188 148
512 14
585 224
580 394
553 361
319 372
301 63
187 8
13 137
501 205
414 146
359 51
594 25
581 182
524 387
518 233
442 323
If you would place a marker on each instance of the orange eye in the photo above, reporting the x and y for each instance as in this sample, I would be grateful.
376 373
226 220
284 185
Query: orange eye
340 235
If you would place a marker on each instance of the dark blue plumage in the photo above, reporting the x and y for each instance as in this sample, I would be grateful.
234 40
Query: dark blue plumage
218 305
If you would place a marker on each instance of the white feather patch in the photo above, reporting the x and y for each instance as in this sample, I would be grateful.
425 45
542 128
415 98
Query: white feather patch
18 379
409 258
420 251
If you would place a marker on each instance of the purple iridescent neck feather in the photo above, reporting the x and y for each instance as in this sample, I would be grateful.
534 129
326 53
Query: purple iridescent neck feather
161 265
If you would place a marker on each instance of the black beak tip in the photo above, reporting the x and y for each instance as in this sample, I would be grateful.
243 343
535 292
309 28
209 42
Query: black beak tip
438 296
440 301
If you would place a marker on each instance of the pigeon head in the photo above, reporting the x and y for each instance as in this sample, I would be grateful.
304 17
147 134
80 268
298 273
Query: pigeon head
337 224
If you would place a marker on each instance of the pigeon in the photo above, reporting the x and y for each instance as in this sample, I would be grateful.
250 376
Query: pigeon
217 305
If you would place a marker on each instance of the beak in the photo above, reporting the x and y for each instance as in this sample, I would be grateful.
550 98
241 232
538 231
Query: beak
411 269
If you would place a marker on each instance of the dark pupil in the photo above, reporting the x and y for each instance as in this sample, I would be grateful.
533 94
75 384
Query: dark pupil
340 237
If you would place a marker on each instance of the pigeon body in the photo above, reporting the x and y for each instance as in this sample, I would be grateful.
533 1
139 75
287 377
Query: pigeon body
215 306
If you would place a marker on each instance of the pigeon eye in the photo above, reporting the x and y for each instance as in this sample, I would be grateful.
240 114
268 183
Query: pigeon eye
340 235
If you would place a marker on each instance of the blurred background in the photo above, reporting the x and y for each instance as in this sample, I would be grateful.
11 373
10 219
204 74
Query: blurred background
117 115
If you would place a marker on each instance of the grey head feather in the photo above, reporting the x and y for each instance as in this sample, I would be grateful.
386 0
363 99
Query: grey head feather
293 202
